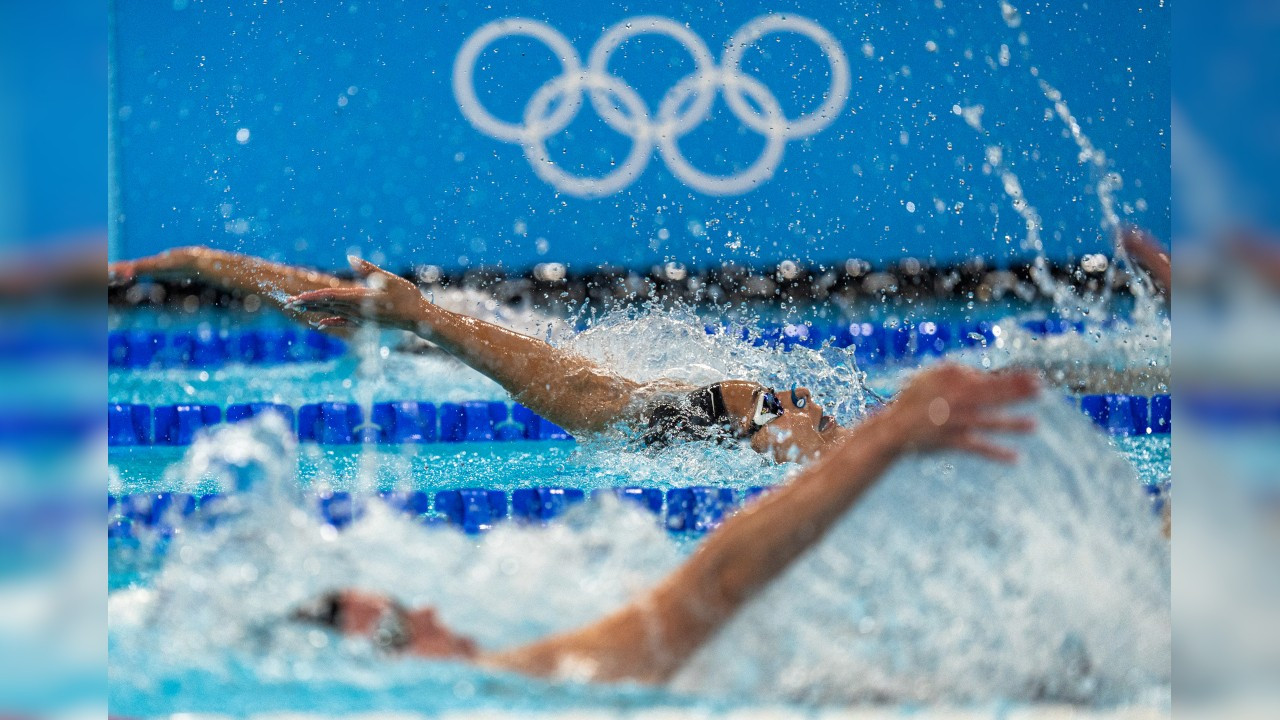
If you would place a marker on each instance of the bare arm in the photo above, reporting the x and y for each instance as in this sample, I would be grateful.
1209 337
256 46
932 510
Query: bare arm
651 638
275 283
563 387
1147 252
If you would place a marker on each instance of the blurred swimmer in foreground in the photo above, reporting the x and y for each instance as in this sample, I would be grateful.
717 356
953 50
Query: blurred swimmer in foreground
564 387
946 407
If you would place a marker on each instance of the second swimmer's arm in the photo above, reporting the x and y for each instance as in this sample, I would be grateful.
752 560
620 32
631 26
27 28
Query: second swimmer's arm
563 387
649 639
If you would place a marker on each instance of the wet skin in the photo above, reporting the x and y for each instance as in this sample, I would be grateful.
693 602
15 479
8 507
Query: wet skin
798 434
566 388
946 407
363 612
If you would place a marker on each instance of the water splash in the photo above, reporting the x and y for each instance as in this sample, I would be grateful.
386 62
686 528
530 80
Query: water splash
959 580
1101 358
653 343
953 581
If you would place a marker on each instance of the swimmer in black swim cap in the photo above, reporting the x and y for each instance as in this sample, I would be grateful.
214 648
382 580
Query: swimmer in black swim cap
945 407
564 387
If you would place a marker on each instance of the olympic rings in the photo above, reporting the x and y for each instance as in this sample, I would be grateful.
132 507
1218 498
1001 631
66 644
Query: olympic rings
749 34
736 184
535 148
464 66
704 66
685 106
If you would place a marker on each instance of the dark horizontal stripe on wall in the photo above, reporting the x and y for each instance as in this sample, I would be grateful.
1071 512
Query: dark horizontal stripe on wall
554 283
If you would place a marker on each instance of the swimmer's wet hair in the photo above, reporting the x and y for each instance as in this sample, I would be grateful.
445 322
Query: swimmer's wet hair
700 415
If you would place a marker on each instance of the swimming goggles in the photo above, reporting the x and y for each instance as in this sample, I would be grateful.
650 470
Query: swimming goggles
391 634
768 408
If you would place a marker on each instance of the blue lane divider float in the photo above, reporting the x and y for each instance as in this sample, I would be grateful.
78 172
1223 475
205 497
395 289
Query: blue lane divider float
339 508
698 509
472 510
542 504
650 499
128 424
177 424
244 411
465 422
405 422
873 342
1127 415
876 343
338 423
330 423
204 348
160 514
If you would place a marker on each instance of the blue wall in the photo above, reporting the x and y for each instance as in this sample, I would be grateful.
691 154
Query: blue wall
52 72
355 140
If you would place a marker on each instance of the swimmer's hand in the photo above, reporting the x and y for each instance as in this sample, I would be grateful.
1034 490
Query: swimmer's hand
951 407
175 264
1147 252
386 300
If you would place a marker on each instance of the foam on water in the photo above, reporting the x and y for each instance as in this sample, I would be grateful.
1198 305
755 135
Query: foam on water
953 581
960 580
654 343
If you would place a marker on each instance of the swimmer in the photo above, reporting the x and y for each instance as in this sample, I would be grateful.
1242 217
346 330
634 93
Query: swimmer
1147 252
946 407
561 386
1247 253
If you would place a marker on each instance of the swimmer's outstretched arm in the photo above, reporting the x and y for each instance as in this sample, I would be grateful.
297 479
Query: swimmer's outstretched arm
1145 250
563 387
946 407
567 389
275 283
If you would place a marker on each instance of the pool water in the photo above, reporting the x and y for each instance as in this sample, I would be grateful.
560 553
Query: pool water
953 583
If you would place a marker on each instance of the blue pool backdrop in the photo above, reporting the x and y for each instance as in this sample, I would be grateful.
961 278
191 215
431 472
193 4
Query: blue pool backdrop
307 130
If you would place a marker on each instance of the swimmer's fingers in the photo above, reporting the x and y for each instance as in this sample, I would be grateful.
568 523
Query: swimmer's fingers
331 322
308 317
1002 423
1005 387
351 298
1139 241
364 268
978 445
120 273
398 289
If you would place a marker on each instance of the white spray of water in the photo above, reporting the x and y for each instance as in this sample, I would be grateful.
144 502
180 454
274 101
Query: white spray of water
652 343
953 580
1012 17
956 580
1107 182
1145 338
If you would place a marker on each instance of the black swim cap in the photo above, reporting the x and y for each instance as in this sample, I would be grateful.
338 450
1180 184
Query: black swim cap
700 415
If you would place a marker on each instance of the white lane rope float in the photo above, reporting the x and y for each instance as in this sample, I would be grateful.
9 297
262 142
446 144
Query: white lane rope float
685 106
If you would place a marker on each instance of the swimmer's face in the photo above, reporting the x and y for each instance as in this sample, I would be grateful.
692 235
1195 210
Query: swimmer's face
362 613
799 433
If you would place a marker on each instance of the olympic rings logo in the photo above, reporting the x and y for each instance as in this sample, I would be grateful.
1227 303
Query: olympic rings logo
682 108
